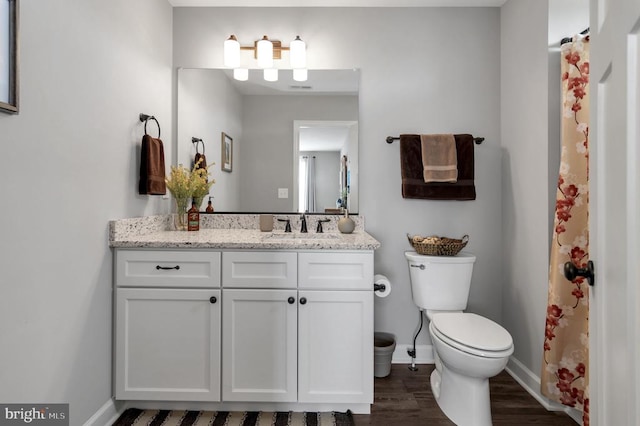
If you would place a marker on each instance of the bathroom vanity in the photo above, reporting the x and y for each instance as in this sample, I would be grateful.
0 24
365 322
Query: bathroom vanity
238 319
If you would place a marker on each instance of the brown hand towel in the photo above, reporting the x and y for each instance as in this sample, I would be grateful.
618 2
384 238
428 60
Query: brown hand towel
152 167
439 158
413 184
200 161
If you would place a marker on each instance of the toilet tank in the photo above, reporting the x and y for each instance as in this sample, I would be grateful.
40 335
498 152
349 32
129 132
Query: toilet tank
440 282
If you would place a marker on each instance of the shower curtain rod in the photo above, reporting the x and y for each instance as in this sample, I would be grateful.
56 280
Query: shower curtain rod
570 39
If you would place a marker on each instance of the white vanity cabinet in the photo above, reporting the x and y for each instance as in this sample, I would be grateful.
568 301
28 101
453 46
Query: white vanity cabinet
292 328
167 333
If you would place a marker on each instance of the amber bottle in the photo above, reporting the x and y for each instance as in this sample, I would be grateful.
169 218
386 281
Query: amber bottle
193 218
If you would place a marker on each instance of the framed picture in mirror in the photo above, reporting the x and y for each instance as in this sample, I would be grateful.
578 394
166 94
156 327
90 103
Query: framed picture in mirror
9 56
227 153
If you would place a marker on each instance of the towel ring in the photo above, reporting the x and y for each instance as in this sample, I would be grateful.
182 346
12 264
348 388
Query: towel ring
196 141
144 118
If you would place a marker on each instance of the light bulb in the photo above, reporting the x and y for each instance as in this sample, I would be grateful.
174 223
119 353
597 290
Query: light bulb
271 74
265 53
231 52
300 74
298 53
241 74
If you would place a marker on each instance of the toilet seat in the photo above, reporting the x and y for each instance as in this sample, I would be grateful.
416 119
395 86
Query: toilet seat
472 334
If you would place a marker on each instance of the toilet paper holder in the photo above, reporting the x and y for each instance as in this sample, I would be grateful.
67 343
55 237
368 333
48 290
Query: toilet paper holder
379 287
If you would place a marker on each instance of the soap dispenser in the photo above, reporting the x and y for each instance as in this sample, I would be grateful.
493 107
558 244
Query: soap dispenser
209 208
346 225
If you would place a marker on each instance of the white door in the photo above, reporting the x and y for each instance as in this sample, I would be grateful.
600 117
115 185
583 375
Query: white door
259 345
167 344
614 209
335 346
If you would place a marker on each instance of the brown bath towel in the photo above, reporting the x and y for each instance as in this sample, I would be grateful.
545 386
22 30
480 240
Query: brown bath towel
439 158
152 167
413 184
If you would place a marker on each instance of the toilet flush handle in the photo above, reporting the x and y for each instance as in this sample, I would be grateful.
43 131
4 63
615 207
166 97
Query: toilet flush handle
421 266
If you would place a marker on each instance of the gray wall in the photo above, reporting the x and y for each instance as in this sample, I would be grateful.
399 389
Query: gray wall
422 70
525 180
208 105
69 164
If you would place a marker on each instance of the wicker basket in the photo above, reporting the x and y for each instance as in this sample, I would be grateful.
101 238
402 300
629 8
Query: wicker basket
438 246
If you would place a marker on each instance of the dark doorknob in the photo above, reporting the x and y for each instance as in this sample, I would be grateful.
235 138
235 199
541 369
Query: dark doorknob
213 299
303 300
291 300
571 272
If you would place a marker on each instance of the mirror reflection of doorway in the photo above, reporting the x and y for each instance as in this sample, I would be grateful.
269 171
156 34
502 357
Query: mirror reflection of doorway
322 152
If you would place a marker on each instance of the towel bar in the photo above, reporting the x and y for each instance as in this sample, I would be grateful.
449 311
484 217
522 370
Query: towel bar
390 139
144 118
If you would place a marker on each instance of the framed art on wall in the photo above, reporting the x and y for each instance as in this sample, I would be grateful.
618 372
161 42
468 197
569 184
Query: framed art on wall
9 56
227 153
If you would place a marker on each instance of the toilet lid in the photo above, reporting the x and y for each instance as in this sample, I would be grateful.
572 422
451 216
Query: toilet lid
473 331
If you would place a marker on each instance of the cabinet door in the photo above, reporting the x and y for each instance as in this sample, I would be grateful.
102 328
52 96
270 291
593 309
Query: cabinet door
167 344
259 345
335 346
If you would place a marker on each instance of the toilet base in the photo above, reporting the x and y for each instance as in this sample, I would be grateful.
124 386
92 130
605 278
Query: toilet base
464 400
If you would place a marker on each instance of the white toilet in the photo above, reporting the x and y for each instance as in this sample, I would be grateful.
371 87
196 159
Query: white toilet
468 348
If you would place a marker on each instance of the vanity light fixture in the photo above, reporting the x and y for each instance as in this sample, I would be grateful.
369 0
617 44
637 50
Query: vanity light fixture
265 51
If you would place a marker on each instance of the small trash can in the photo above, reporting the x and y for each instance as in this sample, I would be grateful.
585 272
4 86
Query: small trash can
383 346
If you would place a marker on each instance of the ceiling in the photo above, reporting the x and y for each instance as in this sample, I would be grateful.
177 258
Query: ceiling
337 3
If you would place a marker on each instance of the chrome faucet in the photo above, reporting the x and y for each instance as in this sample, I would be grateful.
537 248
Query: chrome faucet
303 227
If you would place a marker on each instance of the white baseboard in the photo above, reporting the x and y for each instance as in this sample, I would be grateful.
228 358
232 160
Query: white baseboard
106 415
531 383
424 354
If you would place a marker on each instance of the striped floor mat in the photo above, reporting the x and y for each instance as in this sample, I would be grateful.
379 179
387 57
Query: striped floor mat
137 417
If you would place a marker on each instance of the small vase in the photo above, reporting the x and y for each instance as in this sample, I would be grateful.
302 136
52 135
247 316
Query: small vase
180 218
346 225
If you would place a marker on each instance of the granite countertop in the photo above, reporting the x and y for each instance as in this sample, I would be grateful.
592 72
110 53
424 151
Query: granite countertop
151 232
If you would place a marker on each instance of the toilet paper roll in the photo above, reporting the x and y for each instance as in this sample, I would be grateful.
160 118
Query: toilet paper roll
382 280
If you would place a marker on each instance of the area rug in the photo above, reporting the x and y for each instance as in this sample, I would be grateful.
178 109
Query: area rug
138 417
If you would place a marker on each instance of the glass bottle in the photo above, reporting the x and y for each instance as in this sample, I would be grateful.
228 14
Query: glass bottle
193 218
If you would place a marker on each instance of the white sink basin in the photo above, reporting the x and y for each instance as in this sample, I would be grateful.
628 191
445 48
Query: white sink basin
301 236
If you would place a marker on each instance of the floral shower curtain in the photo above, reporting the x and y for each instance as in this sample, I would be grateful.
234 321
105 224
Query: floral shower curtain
566 344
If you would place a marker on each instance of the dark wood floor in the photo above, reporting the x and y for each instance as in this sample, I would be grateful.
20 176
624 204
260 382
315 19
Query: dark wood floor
404 398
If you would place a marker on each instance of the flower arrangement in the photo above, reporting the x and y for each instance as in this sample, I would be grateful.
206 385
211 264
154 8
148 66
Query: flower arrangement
187 184
201 182
183 183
